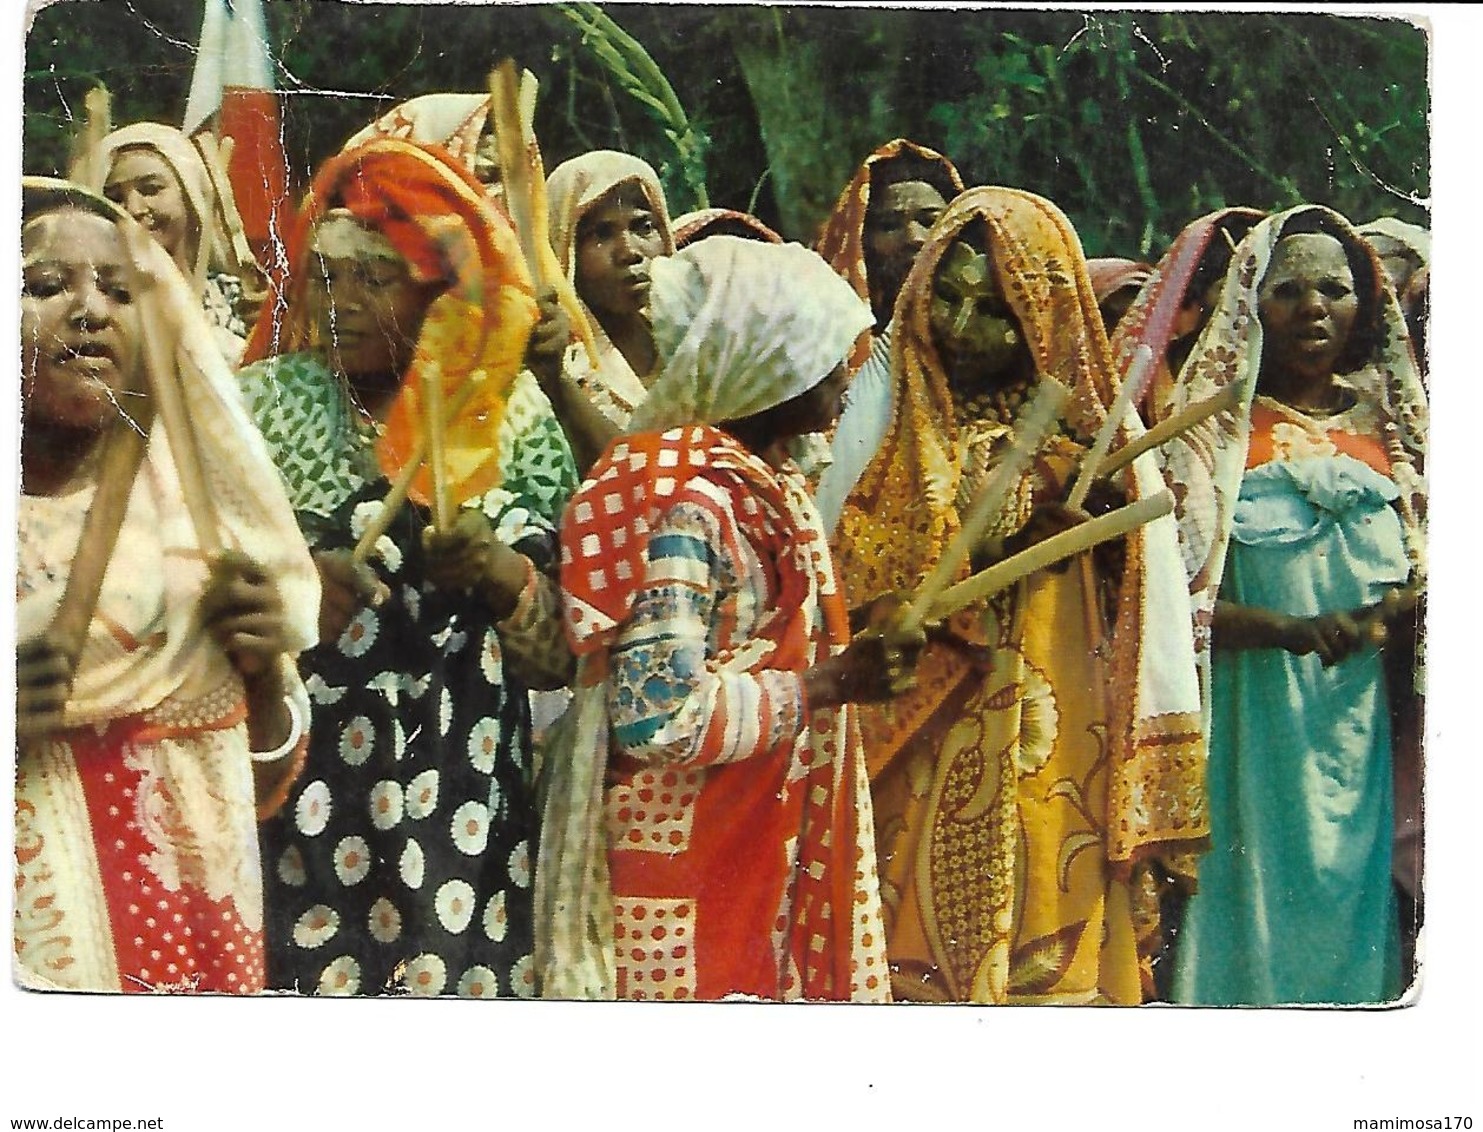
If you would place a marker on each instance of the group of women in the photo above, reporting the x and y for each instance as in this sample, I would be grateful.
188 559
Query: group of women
624 700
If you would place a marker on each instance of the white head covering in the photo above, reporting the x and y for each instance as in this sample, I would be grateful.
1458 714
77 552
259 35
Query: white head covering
577 185
207 191
454 121
1410 236
743 326
154 578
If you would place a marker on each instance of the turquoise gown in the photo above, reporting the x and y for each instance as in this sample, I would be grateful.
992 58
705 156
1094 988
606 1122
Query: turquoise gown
1295 903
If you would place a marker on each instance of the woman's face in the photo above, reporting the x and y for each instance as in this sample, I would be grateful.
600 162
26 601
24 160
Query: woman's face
896 227
818 409
367 309
616 241
79 326
1308 304
973 326
142 183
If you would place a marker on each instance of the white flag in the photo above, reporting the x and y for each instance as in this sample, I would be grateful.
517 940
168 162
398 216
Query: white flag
233 52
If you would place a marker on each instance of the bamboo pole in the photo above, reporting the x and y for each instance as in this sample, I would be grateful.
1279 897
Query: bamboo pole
1133 385
392 504
1002 575
523 174
1165 431
86 165
1030 430
123 452
436 426
514 164
164 387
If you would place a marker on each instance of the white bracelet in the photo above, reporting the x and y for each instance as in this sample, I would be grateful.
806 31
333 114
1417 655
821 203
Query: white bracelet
295 733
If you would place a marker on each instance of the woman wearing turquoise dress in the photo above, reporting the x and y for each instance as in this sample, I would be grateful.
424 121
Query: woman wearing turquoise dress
1300 521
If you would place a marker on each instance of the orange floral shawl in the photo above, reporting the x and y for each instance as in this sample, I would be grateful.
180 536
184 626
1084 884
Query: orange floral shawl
904 510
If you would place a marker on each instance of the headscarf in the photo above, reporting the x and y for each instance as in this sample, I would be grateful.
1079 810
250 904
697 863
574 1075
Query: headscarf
221 244
842 239
904 510
576 186
1414 238
740 327
1151 319
573 189
1205 465
1110 275
697 225
252 512
454 122
436 216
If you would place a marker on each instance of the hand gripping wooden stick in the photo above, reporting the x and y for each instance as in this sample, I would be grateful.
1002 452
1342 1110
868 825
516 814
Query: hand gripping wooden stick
523 174
123 452
403 482
1029 434
1002 575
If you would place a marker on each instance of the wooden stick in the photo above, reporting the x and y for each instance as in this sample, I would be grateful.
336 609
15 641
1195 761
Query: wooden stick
1133 385
514 163
1165 431
403 483
86 165
1002 575
1029 433
164 386
123 452
523 174
436 425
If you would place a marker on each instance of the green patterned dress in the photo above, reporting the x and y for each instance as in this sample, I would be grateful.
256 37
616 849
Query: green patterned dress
403 860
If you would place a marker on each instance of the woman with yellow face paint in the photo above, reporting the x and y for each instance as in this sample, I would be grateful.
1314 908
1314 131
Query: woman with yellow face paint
1023 790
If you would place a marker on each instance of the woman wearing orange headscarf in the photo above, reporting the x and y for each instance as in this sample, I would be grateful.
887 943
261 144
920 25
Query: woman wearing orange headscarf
1021 789
875 232
403 861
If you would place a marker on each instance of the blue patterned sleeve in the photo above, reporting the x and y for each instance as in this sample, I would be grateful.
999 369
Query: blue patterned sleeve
679 692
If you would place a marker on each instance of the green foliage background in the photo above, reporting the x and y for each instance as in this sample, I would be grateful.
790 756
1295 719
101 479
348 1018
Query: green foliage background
1133 123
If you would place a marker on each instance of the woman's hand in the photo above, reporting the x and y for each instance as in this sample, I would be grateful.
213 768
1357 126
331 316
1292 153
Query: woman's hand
241 608
548 341
1333 636
44 668
345 586
879 664
470 557
1046 521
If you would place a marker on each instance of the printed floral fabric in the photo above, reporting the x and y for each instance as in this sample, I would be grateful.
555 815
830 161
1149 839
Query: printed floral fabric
740 841
136 862
1151 319
403 860
136 855
1005 877
136 841
222 301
